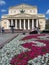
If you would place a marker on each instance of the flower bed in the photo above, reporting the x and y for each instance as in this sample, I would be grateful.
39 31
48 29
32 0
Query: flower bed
20 52
26 56
38 47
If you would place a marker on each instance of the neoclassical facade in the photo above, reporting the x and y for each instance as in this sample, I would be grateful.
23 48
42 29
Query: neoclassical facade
23 17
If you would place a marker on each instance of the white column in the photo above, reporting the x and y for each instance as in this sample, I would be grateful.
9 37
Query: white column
20 24
28 24
32 24
24 25
36 23
11 22
15 24
8 24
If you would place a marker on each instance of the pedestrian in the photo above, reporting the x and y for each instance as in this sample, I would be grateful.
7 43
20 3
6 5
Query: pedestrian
37 29
12 29
0 29
3 30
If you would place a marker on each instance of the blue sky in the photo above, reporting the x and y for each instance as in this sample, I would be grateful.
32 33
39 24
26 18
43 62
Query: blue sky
42 5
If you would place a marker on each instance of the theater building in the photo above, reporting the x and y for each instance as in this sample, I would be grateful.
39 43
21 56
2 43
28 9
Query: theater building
23 17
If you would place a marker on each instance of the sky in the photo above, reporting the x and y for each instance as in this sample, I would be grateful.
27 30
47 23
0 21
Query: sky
42 5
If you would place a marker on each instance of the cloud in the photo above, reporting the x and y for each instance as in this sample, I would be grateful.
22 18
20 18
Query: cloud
47 12
3 10
2 2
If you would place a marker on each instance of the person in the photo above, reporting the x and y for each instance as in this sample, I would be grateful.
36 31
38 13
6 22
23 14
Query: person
12 29
37 29
0 29
3 30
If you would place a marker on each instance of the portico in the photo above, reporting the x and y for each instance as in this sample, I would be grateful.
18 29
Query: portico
26 24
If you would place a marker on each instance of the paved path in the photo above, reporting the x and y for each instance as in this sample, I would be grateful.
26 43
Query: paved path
5 38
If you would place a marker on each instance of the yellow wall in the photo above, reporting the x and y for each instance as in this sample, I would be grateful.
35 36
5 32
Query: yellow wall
5 24
42 24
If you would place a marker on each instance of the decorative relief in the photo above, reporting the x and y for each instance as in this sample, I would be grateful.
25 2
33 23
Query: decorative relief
22 11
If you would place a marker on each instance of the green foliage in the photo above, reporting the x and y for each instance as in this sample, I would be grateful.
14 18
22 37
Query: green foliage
47 26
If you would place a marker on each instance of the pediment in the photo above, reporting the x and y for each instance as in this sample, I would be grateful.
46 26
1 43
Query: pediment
23 6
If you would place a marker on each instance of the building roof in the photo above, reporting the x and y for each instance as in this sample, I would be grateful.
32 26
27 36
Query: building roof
23 6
